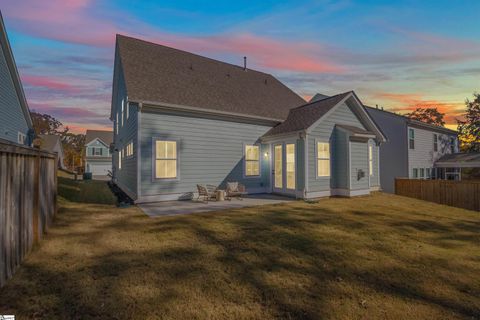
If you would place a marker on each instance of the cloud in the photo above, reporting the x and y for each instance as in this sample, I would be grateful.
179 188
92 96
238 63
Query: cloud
407 102
49 83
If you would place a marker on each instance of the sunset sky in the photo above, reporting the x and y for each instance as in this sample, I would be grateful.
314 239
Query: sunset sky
395 55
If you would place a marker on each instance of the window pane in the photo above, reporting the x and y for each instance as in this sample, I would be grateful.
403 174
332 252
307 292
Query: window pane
166 149
323 167
166 169
171 150
290 164
161 149
323 150
252 152
278 167
255 168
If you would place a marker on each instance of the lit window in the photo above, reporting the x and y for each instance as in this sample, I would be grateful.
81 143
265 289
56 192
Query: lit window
166 159
323 159
290 165
116 124
129 149
128 110
411 138
370 159
252 160
120 159
435 142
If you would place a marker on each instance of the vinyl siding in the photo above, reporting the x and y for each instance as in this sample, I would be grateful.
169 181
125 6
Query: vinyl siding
126 177
424 156
12 119
210 151
358 161
325 132
393 152
375 178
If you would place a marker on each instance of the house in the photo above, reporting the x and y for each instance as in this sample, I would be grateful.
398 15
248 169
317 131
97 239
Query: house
53 144
15 122
180 119
98 158
413 149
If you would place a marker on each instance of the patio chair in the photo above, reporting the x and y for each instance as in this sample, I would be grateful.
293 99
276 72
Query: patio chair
207 192
235 189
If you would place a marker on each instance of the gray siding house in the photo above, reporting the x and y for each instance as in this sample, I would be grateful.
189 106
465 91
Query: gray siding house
180 119
53 144
98 159
15 121
413 149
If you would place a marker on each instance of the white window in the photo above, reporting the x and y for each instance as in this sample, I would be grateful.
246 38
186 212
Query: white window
415 173
323 159
123 101
21 138
120 159
370 159
165 159
116 124
411 138
435 142
422 173
128 109
252 160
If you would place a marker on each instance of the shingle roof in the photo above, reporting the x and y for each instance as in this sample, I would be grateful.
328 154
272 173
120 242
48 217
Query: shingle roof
161 74
105 136
473 157
49 141
303 117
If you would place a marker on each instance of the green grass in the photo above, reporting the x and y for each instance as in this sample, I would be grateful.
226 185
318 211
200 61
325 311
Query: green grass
375 257
85 191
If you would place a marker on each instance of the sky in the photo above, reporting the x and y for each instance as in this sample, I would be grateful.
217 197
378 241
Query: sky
395 54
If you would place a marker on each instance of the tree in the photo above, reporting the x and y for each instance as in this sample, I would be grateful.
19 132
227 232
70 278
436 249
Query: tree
427 115
46 124
469 129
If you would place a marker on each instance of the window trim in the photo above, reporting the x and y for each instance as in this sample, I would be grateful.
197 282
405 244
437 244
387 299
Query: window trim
244 158
119 155
286 188
370 160
435 142
317 141
415 173
21 138
411 139
154 158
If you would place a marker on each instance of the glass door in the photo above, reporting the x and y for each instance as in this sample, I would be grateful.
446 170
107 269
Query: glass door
278 168
290 165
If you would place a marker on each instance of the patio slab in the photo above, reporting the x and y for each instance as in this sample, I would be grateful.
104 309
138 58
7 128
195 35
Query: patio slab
172 208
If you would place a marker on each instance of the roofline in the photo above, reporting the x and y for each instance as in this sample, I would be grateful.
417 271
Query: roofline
12 67
97 138
375 125
177 107
416 122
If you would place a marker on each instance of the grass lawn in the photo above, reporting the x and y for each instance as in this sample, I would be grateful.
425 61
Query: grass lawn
376 257
86 191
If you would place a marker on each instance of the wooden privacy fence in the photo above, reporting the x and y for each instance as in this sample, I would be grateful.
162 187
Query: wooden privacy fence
28 202
461 194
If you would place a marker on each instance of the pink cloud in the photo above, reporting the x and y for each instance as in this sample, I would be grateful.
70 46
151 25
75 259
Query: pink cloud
49 83
63 113
74 22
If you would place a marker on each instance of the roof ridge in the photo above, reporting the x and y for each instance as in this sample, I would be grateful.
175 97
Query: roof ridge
309 103
194 54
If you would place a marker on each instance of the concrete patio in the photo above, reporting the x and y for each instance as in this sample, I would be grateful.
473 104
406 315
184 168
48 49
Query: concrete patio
171 208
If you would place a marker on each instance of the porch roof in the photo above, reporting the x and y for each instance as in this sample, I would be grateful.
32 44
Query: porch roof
459 160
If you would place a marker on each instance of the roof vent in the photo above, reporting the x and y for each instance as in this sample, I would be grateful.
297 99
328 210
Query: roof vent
245 63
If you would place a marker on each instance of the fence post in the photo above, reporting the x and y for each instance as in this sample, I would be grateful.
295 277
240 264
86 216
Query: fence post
36 199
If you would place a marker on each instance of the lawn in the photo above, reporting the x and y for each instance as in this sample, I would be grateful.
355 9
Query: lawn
375 257
85 191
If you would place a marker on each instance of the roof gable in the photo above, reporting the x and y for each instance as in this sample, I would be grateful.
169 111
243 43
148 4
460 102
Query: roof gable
160 74
106 137
308 116
7 50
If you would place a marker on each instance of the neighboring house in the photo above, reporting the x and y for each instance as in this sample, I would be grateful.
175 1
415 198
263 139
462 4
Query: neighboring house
53 144
180 120
15 122
413 149
98 159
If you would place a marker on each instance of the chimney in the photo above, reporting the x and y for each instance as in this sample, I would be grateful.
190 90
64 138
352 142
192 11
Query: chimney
245 63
